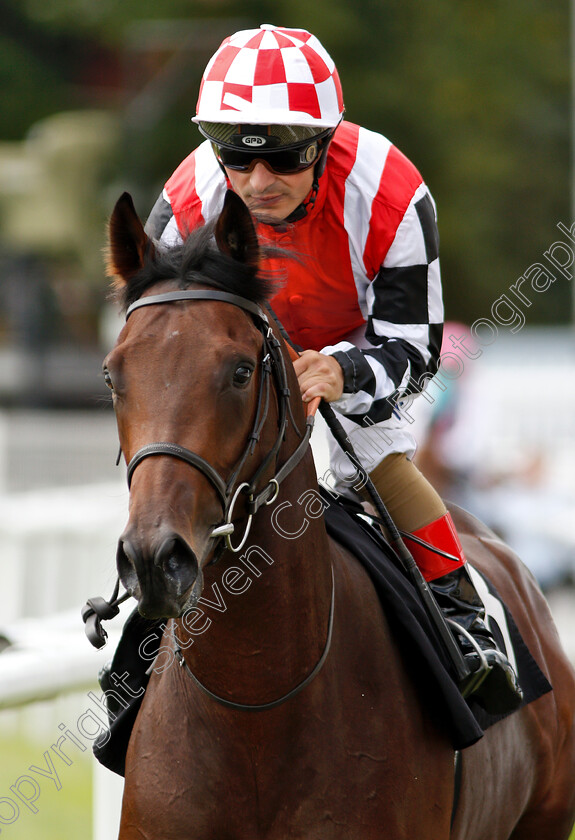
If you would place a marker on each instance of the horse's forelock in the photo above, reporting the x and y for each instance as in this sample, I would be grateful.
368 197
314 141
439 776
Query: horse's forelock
197 261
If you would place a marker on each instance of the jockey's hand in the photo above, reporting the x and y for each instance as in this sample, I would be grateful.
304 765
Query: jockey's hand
319 376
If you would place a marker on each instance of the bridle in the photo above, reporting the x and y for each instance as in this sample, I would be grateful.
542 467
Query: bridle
99 609
272 368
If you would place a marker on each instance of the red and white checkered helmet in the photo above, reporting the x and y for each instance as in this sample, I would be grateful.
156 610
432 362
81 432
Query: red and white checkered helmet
271 76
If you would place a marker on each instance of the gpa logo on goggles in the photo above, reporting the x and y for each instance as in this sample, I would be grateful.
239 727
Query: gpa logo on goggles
254 140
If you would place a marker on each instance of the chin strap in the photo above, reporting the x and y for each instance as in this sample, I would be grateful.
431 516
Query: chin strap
303 209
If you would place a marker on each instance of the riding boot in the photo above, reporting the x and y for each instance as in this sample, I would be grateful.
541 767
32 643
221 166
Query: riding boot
492 681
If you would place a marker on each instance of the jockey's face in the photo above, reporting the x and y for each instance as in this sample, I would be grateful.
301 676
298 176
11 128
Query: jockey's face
269 194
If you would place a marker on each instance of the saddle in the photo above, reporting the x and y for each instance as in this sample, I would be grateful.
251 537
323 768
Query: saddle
463 720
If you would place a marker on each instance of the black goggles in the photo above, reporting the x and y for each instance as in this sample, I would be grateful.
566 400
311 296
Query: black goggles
282 161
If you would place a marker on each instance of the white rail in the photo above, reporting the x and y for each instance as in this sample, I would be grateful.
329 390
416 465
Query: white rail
57 547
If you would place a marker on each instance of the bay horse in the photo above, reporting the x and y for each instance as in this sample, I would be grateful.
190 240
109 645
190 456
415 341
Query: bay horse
294 714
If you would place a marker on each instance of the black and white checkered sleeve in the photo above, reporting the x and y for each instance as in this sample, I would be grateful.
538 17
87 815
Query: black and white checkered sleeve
405 321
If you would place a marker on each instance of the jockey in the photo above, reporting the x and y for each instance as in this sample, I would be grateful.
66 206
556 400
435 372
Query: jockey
363 298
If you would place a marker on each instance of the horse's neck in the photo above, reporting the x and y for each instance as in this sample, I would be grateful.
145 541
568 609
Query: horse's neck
265 610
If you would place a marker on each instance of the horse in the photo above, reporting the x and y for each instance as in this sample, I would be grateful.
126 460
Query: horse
294 713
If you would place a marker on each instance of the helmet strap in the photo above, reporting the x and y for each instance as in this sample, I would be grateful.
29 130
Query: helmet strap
302 209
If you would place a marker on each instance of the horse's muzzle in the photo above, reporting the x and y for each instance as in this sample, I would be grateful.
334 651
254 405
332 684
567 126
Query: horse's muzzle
160 576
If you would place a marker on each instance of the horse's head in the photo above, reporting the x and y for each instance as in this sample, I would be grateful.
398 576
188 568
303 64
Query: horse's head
193 395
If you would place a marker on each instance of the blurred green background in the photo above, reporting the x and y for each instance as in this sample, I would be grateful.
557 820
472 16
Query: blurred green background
97 98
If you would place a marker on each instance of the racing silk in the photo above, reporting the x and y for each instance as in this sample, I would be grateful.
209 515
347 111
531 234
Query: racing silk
367 257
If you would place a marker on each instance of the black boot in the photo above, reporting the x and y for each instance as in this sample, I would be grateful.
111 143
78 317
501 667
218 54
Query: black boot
492 682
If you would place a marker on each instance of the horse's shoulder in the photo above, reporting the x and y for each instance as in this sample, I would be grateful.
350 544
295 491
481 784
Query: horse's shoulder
351 573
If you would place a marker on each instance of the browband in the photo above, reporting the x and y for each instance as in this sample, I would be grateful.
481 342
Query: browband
200 294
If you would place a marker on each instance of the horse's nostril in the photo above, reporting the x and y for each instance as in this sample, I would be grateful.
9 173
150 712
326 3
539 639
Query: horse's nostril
178 562
126 565
161 574
127 553
167 555
171 565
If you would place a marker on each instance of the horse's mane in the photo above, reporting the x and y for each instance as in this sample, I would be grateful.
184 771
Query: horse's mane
198 261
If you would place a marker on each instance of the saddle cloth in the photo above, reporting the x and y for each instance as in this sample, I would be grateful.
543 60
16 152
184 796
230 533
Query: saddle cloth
463 720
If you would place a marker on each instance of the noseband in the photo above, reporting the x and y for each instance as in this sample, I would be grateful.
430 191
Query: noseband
273 367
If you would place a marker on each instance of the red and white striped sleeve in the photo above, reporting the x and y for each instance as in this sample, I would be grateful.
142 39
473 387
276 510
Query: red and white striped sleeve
192 195
389 215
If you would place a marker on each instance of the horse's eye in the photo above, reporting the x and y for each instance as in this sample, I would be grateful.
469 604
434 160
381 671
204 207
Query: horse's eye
108 379
242 375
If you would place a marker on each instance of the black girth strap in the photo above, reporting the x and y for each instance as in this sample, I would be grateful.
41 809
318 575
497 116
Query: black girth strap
457 780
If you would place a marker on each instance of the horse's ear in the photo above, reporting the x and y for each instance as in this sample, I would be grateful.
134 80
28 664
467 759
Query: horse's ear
235 231
128 244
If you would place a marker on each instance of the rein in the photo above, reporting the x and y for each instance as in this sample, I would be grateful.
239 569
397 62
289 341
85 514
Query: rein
260 707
